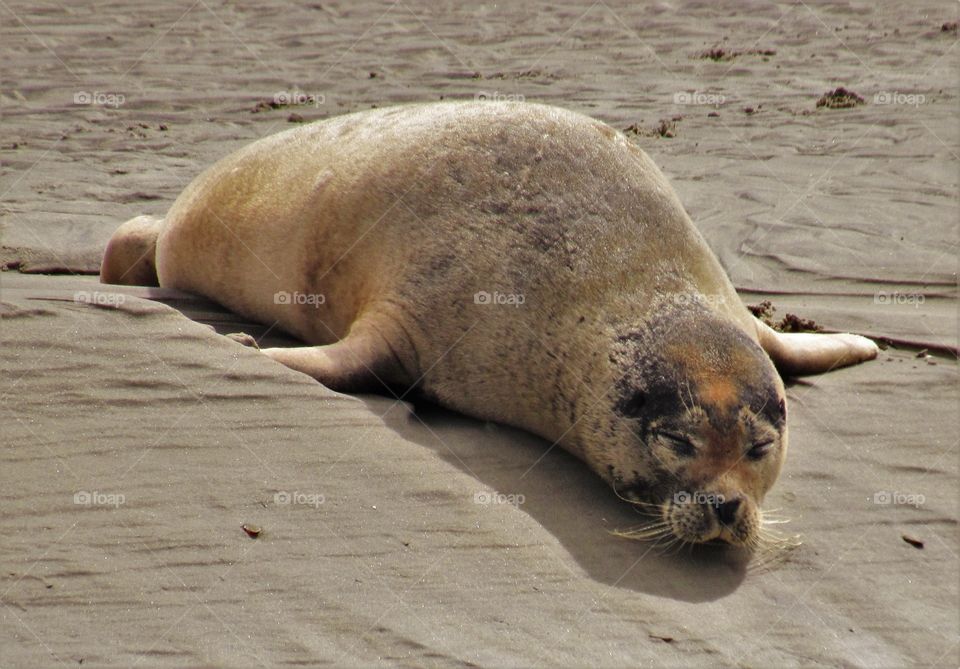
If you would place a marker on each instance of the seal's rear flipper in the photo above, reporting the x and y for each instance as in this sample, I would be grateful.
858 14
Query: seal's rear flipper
360 362
130 258
802 353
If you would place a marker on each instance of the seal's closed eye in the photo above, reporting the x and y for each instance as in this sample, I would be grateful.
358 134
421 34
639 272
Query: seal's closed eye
680 444
760 450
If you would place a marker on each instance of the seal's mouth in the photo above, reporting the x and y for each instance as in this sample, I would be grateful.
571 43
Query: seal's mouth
703 516
698 517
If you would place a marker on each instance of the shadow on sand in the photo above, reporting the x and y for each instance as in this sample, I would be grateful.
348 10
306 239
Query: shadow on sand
568 500
559 492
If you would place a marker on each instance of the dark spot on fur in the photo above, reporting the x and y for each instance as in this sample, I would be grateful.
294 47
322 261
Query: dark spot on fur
639 487
631 405
440 263
761 398
496 208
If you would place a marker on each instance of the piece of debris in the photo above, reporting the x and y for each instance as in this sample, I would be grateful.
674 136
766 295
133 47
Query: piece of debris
664 128
763 311
922 353
949 27
263 105
789 323
719 53
916 543
839 98
794 323
253 531
295 118
665 639
525 74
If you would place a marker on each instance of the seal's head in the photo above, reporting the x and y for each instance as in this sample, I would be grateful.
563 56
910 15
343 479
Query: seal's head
698 427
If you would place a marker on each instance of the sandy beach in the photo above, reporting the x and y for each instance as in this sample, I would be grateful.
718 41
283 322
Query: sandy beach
172 498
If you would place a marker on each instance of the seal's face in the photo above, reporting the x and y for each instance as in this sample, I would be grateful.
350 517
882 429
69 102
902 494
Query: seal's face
716 462
700 436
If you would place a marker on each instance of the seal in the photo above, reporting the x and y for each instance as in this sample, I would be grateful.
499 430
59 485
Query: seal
517 262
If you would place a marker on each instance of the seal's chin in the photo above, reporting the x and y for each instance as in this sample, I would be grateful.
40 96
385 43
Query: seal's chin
711 517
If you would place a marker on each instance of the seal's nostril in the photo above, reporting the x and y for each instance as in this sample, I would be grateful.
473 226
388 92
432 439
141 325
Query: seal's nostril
727 510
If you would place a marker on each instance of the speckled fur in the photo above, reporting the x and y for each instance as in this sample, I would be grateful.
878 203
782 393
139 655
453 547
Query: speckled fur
399 217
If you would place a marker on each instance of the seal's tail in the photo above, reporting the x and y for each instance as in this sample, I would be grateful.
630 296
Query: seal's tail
130 258
802 353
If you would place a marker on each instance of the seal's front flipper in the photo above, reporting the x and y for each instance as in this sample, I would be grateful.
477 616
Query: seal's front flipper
243 338
360 362
802 353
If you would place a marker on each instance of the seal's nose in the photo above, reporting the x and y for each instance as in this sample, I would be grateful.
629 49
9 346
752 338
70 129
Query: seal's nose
727 510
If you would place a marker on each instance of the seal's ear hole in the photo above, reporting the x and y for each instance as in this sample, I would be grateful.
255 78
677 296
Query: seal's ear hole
632 405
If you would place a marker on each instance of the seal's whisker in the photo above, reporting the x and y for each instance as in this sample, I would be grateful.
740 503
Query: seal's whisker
773 547
770 555
655 533
673 545
764 562
656 530
647 506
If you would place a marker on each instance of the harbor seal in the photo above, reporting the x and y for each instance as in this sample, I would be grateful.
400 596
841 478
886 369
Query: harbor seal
517 262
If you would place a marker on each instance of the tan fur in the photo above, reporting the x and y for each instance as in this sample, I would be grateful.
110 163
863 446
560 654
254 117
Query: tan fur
130 257
398 218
